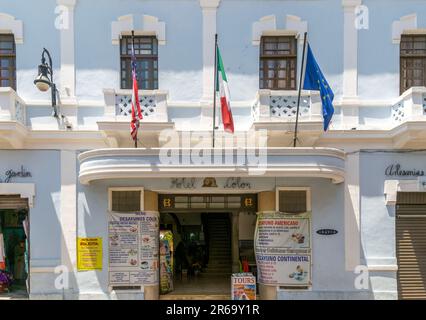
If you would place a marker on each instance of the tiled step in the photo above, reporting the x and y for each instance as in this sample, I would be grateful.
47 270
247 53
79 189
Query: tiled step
218 262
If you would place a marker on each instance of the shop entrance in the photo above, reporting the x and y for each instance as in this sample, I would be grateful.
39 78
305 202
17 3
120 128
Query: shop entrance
14 246
199 245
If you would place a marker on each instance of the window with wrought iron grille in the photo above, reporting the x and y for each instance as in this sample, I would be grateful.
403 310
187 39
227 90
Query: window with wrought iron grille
7 61
122 200
146 53
278 62
293 200
412 61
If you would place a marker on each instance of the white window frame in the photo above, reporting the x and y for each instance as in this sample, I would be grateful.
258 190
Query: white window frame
308 196
111 189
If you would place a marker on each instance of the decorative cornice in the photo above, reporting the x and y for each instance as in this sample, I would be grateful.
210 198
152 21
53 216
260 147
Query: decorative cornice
209 4
68 3
408 22
8 23
150 26
351 3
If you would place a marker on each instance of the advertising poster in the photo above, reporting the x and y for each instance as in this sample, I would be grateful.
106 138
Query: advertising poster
89 254
243 286
166 261
133 248
283 248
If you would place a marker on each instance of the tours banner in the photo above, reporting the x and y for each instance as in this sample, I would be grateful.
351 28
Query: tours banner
133 248
283 248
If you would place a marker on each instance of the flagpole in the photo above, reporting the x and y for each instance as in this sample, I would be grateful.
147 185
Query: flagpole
133 49
214 88
300 91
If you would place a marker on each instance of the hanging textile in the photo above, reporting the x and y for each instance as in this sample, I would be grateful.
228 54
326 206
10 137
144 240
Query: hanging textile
25 224
2 253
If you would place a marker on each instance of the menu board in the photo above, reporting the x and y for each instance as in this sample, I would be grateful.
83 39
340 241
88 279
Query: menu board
133 248
283 248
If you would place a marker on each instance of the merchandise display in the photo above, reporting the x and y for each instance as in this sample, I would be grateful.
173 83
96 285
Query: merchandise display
13 250
166 261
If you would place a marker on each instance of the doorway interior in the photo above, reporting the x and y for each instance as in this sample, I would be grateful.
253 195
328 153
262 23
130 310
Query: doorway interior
202 255
14 247
205 243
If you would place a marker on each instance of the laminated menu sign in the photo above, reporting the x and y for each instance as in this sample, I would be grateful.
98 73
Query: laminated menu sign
133 248
283 248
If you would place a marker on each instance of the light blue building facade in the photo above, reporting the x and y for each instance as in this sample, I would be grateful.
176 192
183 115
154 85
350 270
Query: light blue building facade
349 172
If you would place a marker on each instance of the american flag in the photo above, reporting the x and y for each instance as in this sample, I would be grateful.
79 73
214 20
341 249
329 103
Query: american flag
136 107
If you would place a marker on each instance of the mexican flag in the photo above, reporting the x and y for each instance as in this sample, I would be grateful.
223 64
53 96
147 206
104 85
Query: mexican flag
222 87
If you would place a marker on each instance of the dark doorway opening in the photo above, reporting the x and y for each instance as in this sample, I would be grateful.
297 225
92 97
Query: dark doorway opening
14 251
202 253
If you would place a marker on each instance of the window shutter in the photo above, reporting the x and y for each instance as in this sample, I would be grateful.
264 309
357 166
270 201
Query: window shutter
292 201
411 245
126 200
13 202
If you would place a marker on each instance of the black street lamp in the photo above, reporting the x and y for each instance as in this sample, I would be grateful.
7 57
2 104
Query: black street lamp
44 80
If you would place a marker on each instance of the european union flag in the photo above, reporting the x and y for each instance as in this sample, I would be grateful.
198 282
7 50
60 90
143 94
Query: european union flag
315 80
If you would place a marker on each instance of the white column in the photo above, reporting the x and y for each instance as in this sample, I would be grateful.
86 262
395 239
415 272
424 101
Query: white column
65 23
352 212
209 8
350 103
350 49
69 212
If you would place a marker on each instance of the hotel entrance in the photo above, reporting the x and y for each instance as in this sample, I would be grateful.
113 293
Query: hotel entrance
200 246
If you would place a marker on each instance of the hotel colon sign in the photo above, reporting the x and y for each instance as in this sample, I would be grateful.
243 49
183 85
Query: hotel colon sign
78 201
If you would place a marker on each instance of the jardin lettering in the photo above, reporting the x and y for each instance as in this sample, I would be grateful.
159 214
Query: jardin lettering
10 174
396 170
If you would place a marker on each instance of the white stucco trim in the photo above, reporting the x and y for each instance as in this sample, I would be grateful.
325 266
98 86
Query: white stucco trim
408 22
298 25
267 26
8 24
43 269
25 190
350 57
392 187
150 26
68 209
66 30
209 9
308 196
389 268
352 212
91 170
87 176
111 152
266 23
110 190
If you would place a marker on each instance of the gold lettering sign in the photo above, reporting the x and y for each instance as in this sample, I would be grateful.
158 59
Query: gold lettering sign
167 202
248 202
